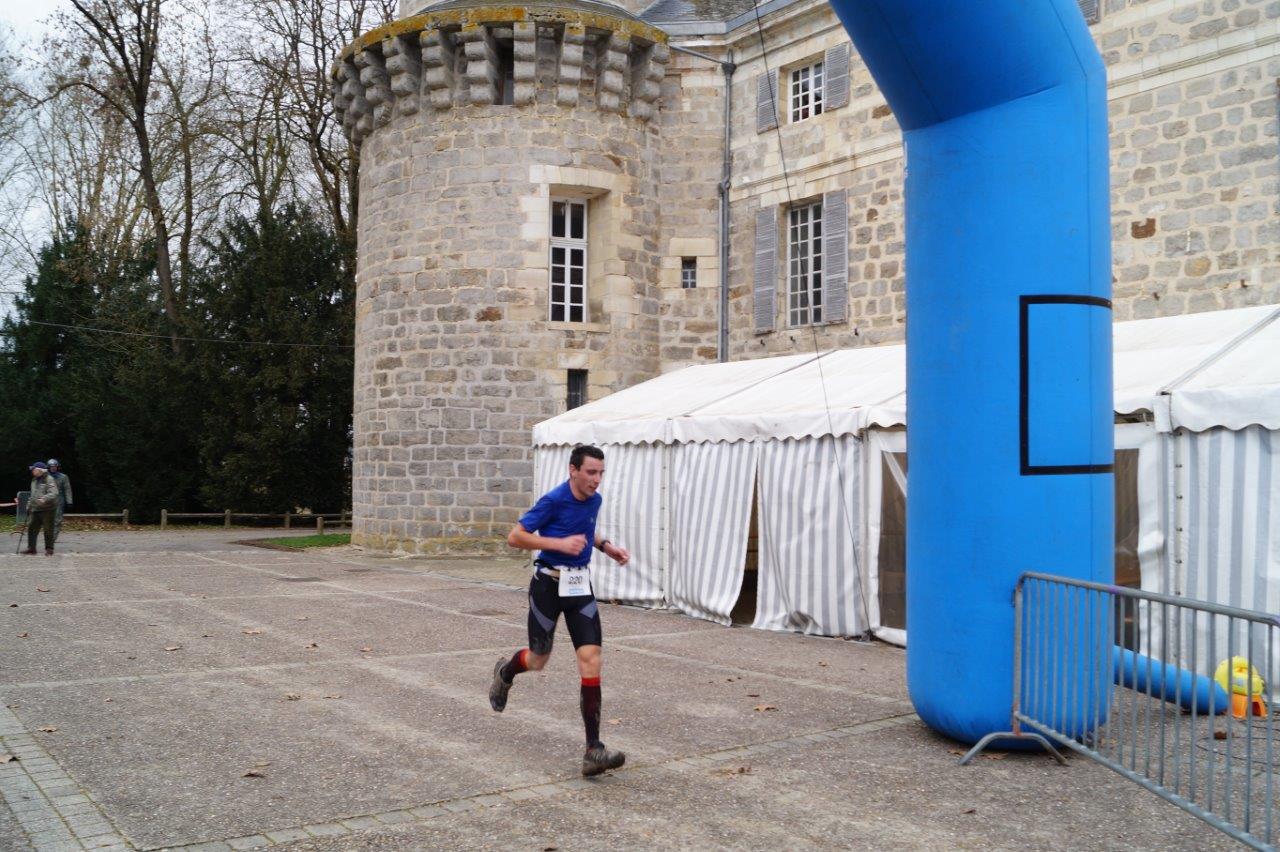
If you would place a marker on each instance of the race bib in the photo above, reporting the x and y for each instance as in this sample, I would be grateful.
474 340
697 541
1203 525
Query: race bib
575 582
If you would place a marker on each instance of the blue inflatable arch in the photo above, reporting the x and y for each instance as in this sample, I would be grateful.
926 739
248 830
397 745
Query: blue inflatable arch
1003 110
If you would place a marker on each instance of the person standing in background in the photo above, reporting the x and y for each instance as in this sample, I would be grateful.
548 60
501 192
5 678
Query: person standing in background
64 494
42 511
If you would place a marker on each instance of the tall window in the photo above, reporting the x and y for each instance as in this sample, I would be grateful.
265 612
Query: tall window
806 91
576 393
688 272
568 260
804 264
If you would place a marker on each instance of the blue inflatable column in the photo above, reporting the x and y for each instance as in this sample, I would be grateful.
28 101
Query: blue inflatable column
1003 110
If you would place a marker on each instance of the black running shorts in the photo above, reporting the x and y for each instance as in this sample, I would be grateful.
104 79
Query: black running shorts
581 615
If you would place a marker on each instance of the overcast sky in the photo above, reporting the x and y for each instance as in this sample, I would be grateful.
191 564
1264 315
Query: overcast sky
25 17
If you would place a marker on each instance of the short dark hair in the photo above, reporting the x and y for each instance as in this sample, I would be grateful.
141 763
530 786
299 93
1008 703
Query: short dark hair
581 451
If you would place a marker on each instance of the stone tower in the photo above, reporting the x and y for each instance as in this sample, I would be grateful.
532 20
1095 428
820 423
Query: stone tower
508 247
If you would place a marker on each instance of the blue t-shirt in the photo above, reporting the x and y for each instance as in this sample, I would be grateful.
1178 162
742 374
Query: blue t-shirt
559 514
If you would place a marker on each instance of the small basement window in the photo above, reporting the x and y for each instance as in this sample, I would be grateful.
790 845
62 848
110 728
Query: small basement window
688 272
576 394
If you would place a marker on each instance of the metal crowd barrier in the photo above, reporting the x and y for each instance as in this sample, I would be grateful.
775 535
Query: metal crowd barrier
1133 680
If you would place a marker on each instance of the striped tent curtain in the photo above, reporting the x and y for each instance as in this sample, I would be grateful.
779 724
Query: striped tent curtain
550 468
809 522
631 515
1233 541
711 489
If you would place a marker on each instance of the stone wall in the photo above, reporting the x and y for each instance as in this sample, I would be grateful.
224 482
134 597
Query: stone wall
456 358
1194 153
692 127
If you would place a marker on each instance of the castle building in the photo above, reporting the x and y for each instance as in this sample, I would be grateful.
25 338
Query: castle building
562 198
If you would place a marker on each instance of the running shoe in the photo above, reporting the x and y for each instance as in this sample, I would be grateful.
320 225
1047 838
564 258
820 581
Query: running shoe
600 759
499 688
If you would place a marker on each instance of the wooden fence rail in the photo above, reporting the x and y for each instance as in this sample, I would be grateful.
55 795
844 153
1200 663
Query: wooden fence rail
106 516
288 518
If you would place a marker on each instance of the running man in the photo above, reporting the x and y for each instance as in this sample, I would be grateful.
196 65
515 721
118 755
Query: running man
562 526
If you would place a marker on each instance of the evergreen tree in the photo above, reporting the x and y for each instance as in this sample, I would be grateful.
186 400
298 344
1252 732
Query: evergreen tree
277 419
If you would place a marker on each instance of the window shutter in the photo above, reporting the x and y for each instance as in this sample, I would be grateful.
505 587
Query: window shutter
835 66
835 255
1089 8
766 101
765 285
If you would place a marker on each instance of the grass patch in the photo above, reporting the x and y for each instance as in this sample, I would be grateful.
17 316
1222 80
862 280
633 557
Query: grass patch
301 541
6 522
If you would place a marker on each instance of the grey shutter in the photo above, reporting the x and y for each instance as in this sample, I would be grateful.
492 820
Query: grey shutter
765 286
766 101
835 68
835 256
1089 8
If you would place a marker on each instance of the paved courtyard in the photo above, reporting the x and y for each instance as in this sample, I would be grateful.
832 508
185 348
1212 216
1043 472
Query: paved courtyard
189 691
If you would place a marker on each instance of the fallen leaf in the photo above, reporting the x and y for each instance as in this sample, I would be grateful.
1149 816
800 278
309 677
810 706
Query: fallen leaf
13 606
312 645
957 751
970 811
292 696
170 589
994 755
131 658
253 773
48 729
8 758
41 589
550 848
23 635
821 663
261 763
251 631
335 695
365 650
302 618
173 647
761 708
753 695
615 721
731 771
1220 735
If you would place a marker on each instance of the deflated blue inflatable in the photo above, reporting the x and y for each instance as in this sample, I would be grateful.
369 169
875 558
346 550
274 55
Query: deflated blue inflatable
1003 110
1169 683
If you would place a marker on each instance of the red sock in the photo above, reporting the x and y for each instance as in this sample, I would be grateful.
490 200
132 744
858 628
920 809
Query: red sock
590 703
517 664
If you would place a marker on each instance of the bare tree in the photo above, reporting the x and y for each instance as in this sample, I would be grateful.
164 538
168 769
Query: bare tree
295 43
124 35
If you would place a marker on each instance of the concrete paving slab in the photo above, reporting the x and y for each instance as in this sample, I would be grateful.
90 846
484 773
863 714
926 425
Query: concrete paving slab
876 667
736 738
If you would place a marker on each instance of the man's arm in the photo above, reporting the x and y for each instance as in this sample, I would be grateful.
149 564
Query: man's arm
521 538
618 554
66 482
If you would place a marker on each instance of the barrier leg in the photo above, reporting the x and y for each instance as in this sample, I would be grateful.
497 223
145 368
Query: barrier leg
981 745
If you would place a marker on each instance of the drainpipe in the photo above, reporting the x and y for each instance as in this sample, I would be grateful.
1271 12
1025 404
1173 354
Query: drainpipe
728 67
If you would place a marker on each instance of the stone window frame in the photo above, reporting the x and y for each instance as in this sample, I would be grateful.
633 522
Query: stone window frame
805 97
567 243
804 241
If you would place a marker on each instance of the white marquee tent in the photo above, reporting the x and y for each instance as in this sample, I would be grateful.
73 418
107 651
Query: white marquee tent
806 449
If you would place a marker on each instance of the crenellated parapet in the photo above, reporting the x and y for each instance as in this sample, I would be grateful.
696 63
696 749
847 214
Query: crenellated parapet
455 54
